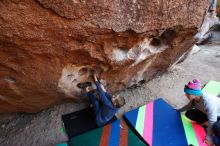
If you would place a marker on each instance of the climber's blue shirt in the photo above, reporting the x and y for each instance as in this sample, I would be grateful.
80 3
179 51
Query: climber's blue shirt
104 108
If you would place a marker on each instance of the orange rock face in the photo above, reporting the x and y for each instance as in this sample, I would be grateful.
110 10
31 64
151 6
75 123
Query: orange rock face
48 46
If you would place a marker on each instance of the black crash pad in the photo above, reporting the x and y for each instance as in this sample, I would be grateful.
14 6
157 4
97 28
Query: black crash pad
79 122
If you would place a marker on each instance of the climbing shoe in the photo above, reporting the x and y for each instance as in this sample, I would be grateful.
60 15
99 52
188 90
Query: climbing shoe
84 85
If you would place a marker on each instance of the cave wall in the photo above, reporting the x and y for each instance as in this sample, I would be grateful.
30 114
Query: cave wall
48 46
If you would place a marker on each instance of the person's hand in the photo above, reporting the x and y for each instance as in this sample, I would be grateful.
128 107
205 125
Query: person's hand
209 142
205 124
95 77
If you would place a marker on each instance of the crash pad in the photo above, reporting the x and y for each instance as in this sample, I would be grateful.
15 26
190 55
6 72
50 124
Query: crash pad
160 124
79 122
114 134
213 87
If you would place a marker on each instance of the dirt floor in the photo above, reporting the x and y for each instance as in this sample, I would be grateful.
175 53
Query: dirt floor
45 128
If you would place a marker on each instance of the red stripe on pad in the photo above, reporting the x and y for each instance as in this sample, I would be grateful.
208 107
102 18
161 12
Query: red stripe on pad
200 134
123 134
105 135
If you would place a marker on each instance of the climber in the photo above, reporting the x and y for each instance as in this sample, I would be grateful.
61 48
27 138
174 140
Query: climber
204 109
105 106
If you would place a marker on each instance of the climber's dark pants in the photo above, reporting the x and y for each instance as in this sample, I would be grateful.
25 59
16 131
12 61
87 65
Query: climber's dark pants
199 117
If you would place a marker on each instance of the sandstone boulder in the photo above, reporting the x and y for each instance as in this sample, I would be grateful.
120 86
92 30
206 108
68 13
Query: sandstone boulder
48 46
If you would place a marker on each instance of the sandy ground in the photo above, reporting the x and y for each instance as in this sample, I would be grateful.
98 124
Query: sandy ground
44 128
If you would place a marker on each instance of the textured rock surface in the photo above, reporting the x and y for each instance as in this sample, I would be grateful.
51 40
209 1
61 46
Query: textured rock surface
48 46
